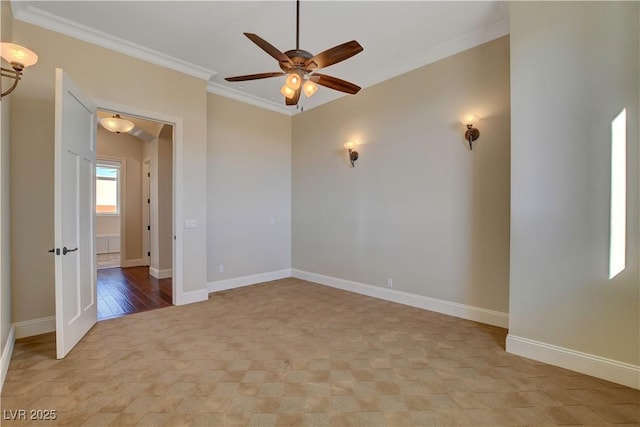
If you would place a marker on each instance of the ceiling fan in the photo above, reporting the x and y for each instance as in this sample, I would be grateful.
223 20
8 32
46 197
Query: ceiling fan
301 66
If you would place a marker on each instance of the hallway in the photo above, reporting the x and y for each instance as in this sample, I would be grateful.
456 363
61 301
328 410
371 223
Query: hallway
123 291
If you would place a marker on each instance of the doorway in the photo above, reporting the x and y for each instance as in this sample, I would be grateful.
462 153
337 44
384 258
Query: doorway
123 291
109 210
145 158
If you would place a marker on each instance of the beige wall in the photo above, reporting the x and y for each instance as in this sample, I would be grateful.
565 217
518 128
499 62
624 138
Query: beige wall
249 184
5 229
418 207
114 78
128 148
160 152
165 198
560 291
108 224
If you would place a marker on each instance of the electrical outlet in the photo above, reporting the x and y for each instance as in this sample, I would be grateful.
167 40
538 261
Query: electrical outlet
221 268
389 283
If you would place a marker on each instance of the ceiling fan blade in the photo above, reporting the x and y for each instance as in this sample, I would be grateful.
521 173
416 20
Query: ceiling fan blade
335 83
267 47
253 76
333 55
295 99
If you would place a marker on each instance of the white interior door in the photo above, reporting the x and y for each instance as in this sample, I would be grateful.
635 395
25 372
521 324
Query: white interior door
74 214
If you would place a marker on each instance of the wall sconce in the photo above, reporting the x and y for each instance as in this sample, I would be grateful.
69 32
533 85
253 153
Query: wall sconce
353 154
472 133
19 57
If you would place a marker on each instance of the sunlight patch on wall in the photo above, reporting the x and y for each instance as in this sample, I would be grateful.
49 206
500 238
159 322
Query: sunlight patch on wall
618 218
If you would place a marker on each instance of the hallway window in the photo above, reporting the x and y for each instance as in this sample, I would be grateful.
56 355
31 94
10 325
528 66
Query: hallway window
107 186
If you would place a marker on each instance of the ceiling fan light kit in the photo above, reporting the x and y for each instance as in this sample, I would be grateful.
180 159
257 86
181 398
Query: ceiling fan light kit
300 66
287 91
293 81
309 88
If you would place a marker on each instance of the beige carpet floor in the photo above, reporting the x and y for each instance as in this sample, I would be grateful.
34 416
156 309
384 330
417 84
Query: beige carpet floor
293 353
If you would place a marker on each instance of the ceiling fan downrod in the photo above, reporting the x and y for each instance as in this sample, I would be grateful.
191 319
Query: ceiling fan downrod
297 24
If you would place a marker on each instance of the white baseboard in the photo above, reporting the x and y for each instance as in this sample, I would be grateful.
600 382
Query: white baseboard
477 314
192 296
6 355
29 328
140 262
238 282
160 274
589 364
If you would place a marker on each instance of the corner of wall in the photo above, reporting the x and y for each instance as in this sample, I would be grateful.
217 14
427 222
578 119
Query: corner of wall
6 356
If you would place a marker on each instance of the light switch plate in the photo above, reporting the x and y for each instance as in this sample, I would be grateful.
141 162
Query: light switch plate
190 223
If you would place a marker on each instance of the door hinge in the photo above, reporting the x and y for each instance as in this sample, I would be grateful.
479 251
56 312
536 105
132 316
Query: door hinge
148 200
149 174
148 227
148 253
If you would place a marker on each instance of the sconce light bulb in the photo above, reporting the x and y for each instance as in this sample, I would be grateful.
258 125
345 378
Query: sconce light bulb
470 119
349 145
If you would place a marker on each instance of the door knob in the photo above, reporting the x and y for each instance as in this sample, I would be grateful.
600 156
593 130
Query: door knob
66 251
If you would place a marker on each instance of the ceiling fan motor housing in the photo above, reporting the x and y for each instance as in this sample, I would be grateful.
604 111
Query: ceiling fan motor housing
299 58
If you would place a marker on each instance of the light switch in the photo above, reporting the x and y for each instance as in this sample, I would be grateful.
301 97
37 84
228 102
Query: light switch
190 223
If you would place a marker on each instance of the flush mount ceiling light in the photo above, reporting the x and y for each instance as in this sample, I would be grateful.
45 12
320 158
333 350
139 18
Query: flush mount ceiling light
300 67
19 57
116 124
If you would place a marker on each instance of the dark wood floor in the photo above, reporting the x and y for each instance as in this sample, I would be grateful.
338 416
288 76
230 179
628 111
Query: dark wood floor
123 291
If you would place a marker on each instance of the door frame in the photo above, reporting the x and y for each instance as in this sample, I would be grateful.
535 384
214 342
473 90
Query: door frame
178 297
146 210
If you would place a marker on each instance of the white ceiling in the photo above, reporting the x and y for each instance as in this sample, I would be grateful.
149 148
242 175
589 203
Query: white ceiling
204 38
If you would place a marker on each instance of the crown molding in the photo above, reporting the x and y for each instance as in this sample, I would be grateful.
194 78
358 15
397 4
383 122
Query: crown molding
468 41
24 12
484 35
238 95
